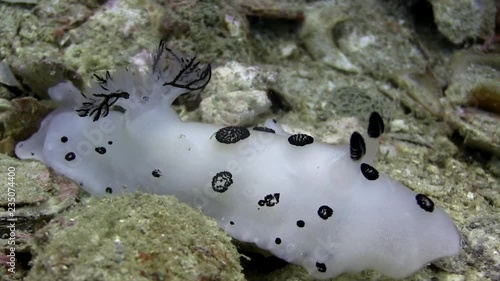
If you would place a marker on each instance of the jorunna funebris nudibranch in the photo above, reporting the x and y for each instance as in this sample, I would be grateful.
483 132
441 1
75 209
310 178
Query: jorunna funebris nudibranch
321 206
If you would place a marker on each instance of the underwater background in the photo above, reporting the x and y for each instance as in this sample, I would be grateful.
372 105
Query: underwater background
430 67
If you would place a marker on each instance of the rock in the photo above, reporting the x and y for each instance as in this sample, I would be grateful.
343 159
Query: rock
235 76
134 237
481 238
7 78
5 105
494 166
422 88
239 108
217 30
316 35
40 69
474 81
39 195
21 121
378 42
288 10
442 150
486 95
479 129
93 32
459 20
236 94
354 101
29 2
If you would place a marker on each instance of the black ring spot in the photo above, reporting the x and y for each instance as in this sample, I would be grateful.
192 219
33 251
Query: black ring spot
100 150
325 212
64 139
369 172
425 203
300 139
221 181
357 146
375 125
156 173
264 129
321 267
232 134
270 200
301 223
277 240
70 156
109 190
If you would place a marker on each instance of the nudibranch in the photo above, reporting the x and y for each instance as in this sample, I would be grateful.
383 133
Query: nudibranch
321 206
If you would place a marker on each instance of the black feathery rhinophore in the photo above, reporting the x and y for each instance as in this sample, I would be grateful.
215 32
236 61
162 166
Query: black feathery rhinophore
99 105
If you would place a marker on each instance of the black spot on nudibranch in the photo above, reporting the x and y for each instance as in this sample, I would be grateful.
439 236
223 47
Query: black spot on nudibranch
70 156
64 139
156 173
264 129
357 146
425 203
325 212
221 181
110 142
300 139
321 267
277 241
369 172
375 125
100 150
109 190
301 223
231 222
232 134
270 200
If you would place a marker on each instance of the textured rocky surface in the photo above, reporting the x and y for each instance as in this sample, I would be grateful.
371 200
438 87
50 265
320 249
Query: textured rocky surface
158 239
39 195
459 20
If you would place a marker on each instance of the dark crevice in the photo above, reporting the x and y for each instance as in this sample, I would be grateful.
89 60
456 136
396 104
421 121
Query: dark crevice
278 103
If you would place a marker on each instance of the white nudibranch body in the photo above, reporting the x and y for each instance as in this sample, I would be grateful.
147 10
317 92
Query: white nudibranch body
320 206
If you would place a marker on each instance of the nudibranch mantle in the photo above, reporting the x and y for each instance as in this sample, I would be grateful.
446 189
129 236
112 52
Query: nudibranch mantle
324 207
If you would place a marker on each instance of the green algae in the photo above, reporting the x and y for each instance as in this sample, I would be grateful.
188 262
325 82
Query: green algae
208 28
134 237
352 101
94 43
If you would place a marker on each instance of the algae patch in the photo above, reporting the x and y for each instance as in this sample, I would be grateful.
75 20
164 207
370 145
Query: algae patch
134 237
